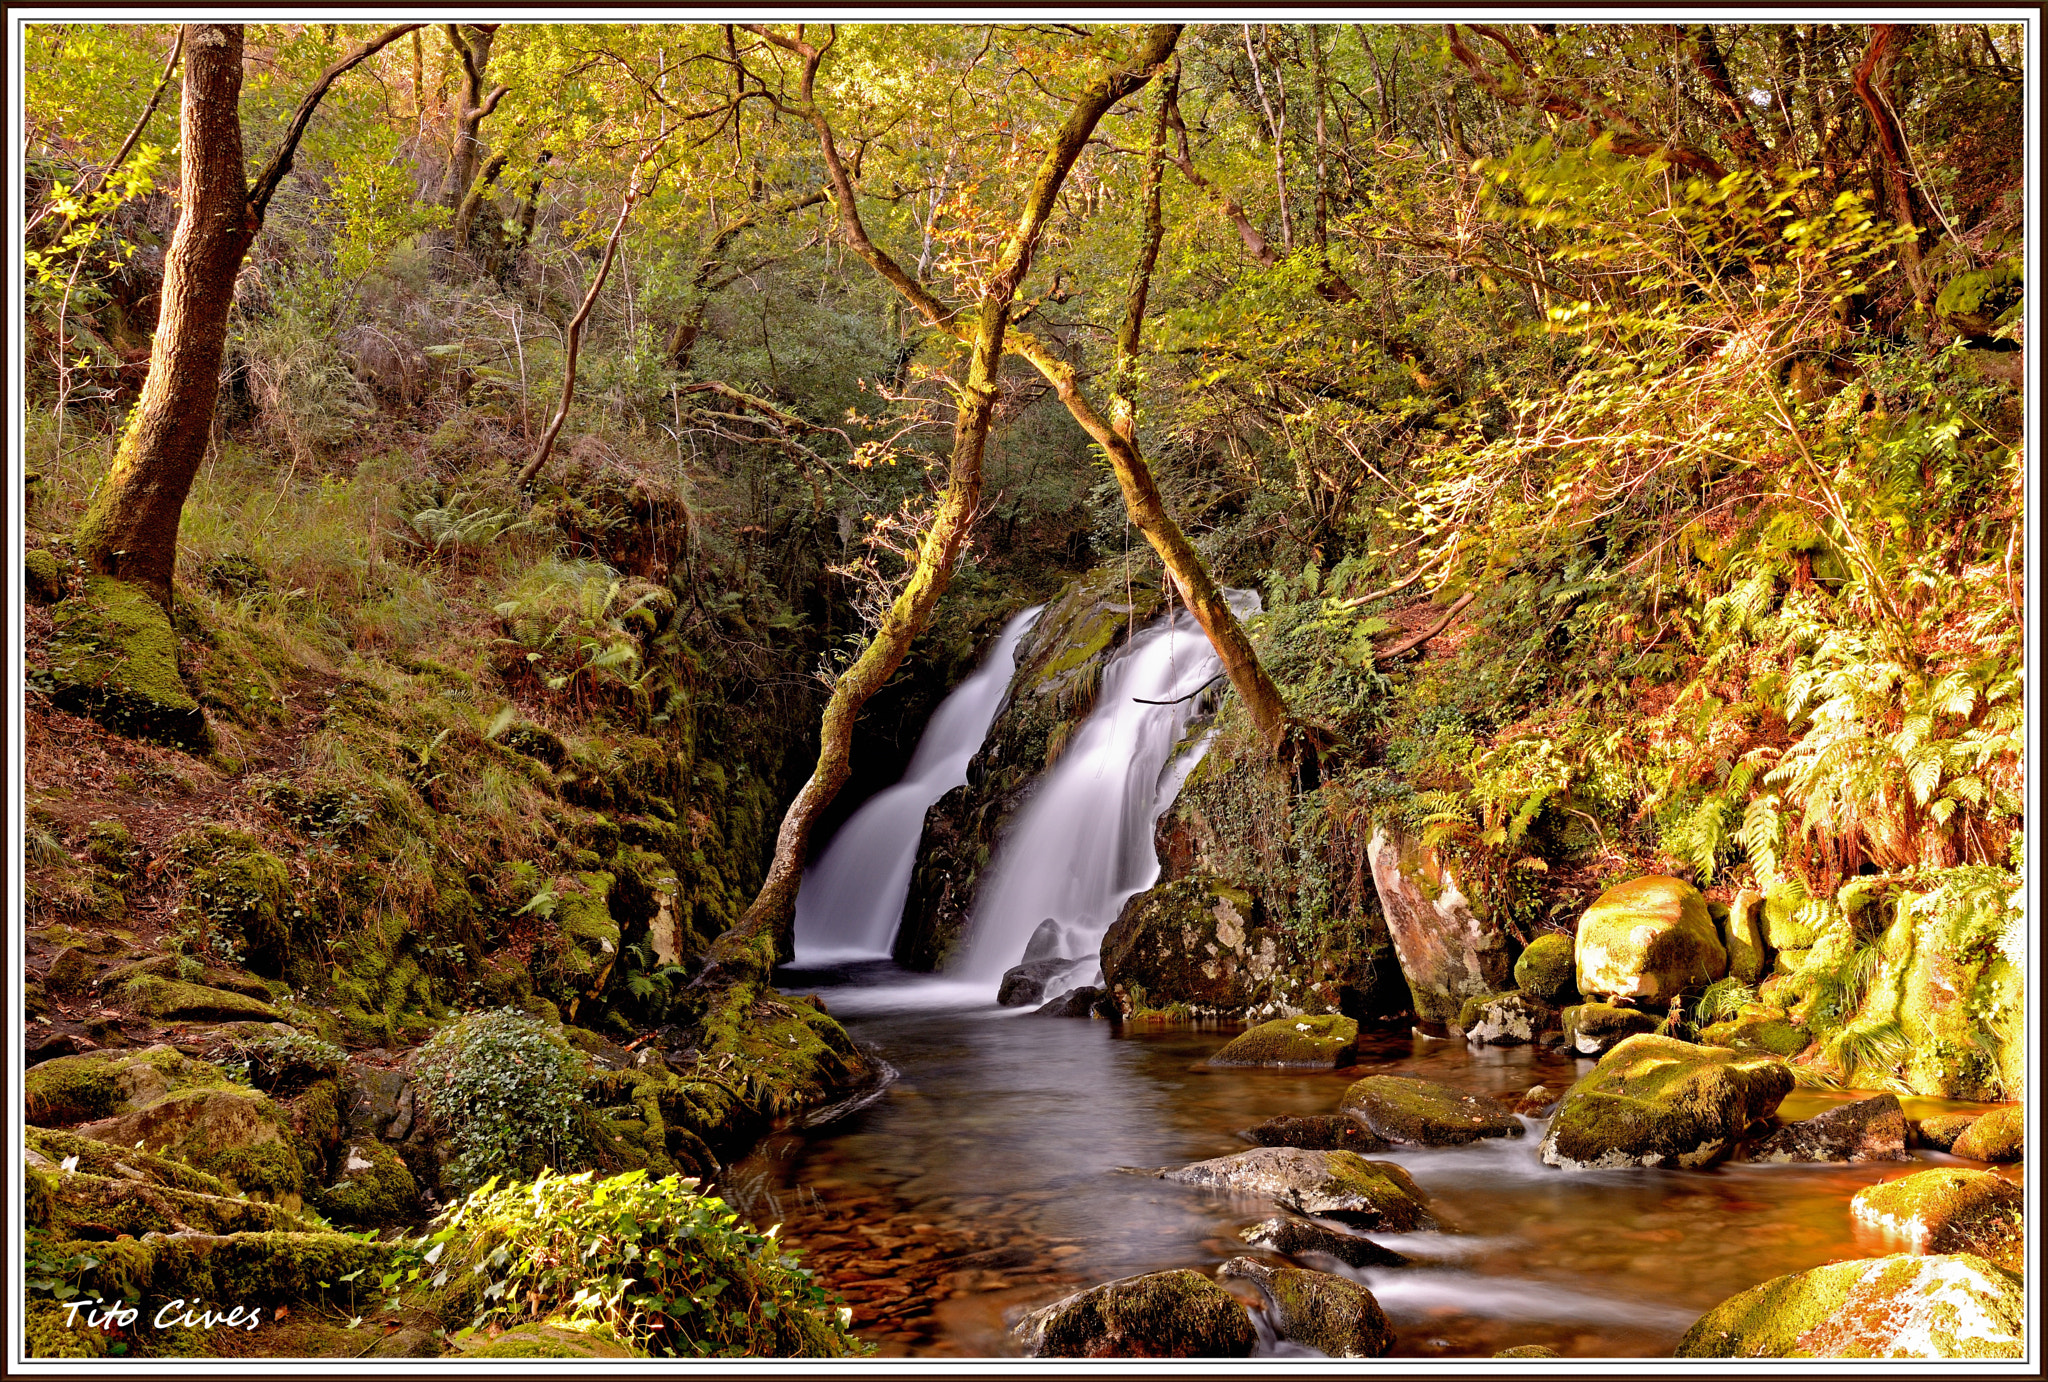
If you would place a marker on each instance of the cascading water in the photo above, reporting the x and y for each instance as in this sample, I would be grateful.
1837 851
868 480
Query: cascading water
1082 845
852 897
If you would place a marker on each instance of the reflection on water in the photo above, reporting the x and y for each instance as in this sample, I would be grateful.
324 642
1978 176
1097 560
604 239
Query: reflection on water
988 1179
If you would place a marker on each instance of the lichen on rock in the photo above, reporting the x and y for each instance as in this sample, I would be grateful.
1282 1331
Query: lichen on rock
1904 1307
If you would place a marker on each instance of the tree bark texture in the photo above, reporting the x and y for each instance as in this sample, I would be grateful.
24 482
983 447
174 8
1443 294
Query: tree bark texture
766 933
131 532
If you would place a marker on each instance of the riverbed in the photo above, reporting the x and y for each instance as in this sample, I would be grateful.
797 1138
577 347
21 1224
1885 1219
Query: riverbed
993 1175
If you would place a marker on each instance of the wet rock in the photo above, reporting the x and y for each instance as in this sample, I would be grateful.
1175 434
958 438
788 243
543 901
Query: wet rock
1178 1314
1537 1103
1296 1043
1941 1130
1294 1237
1045 942
1657 1101
1957 1306
1648 938
1742 935
1317 1310
1448 950
1026 983
1594 1029
69 973
1867 1130
1948 1210
1545 969
1999 1135
1339 1185
1075 1002
1422 1113
1529 1351
1194 940
1322 1132
1507 1019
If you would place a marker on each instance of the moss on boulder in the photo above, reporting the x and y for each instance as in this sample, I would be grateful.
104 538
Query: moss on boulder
2000 1135
235 1134
174 1000
1949 1209
1299 1043
1783 927
244 888
1322 1132
1194 940
1423 1113
1905 1307
114 656
1648 938
1593 1029
104 1207
372 1188
1335 1317
1178 1314
1339 1185
1758 1029
1546 968
1657 1101
549 1340
103 1084
42 578
1514 1018
101 1159
1742 934
1941 1130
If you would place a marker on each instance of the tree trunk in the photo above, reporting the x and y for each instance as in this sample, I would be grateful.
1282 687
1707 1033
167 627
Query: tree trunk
131 532
1123 403
471 107
1892 171
765 934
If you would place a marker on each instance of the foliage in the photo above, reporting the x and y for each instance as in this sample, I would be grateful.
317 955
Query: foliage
503 1088
279 1061
655 1262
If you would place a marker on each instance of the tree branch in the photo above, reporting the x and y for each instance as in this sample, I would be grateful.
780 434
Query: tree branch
281 162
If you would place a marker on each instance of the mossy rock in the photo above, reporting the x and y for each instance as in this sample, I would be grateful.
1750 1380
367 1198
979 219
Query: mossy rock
1338 1185
244 1268
1949 1209
1941 1130
1742 934
1871 1129
98 1158
2000 1135
1178 1314
70 972
1546 968
235 1134
1423 1113
1194 940
1760 1031
1514 1018
1657 1101
1905 1307
105 1207
114 656
1335 1317
1594 1029
1782 927
103 1084
1295 1043
1320 1132
242 886
545 1341
42 577
1649 939
48 1331
1299 1237
373 1187
174 1000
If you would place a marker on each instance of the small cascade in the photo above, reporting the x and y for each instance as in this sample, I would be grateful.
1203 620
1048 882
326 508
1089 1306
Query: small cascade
852 896
1082 844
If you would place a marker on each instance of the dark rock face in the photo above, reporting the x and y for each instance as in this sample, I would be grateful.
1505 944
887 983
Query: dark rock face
1422 1113
1867 1130
1294 1237
1322 1132
1180 1314
1026 983
1078 1002
1195 940
1318 1310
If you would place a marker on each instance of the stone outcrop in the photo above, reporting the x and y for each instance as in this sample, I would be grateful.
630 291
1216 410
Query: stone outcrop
1449 951
1422 1113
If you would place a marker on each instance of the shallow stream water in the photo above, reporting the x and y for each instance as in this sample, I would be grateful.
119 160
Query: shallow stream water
989 1178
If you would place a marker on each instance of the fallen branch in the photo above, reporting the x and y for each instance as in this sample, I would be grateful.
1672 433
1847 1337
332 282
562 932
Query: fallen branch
1416 640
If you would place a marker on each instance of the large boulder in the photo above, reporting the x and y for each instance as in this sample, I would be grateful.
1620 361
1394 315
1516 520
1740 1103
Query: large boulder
1657 1101
1321 1132
1648 939
1594 1029
1423 1113
1742 935
1301 1237
235 1134
1546 968
103 1084
114 656
1294 1043
1449 950
1514 1018
1868 1130
2000 1135
1333 1316
1949 1209
1941 1130
372 1187
1338 1185
1195 940
1905 1307
1179 1314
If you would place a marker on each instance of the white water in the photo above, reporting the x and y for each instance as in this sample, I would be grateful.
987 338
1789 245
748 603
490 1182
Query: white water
1082 844
852 896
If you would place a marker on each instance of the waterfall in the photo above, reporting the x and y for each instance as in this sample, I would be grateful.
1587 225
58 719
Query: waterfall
1082 843
852 896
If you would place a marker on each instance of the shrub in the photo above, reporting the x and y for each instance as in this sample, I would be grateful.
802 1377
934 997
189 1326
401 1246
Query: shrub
661 1266
504 1088
280 1061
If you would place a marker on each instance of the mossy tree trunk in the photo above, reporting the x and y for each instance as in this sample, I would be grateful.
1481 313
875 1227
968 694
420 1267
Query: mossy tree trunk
472 108
765 934
131 530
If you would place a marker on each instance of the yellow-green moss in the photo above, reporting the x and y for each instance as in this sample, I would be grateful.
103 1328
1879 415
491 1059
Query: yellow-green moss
114 656
1903 1307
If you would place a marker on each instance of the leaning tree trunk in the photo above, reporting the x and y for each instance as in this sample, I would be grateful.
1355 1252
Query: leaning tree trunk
131 532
